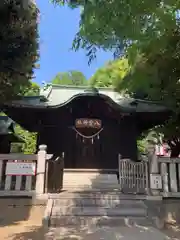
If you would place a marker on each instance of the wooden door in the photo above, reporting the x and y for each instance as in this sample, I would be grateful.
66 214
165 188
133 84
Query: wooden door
88 152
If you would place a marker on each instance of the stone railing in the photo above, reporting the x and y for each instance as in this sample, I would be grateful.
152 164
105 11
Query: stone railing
169 171
21 184
154 176
164 176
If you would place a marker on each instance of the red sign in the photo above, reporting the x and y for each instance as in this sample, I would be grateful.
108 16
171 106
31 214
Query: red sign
88 123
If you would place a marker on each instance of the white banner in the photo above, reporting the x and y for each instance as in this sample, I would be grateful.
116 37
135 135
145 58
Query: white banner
20 168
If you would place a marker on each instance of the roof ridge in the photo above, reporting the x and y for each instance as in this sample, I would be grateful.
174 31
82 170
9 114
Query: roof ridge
79 87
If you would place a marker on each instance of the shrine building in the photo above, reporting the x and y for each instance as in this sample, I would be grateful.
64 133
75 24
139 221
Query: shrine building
89 126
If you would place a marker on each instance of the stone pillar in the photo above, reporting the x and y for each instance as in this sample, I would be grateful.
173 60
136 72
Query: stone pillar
41 169
153 168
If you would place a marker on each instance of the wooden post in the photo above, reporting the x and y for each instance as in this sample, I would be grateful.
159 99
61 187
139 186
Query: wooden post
41 169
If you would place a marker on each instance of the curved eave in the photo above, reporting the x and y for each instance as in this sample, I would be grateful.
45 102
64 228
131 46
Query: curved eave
122 104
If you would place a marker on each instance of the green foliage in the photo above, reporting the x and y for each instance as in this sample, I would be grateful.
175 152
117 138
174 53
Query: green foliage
158 72
117 24
157 75
29 145
111 74
75 78
19 47
32 90
141 145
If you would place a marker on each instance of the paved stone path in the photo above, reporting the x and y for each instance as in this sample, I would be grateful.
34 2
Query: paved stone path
106 233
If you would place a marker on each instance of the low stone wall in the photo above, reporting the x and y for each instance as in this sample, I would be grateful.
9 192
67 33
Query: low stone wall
171 211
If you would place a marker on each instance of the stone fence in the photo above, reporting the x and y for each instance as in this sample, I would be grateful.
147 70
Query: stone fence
28 184
156 177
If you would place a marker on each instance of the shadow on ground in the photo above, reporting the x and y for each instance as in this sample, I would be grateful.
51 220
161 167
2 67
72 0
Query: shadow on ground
20 218
169 212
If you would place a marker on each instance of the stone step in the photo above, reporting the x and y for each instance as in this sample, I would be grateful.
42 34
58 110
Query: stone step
89 182
90 175
82 221
98 207
89 178
97 202
99 211
97 196
89 187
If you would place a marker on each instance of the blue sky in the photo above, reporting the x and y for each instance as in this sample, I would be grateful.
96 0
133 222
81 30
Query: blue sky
57 28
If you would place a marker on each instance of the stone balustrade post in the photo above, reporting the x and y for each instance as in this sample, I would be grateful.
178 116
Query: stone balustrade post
41 169
153 168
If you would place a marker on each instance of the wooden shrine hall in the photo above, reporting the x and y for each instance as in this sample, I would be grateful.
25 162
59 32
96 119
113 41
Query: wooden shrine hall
89 126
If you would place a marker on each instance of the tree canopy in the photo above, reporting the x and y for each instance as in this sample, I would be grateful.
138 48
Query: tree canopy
73 77
118 24
19 47
157 75
111 74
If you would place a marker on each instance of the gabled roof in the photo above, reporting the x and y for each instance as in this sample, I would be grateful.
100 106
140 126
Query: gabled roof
54 96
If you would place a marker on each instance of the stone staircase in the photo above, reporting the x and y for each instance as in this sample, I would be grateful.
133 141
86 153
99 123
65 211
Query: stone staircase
89 179
94 198
92 207
84 208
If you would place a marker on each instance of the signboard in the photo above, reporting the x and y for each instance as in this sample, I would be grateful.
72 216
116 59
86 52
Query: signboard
20 168
156 181
88 123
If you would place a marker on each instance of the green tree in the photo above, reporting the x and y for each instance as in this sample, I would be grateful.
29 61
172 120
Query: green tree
70 78
109 75
19 46
32 90
29 138
116 25
157 75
